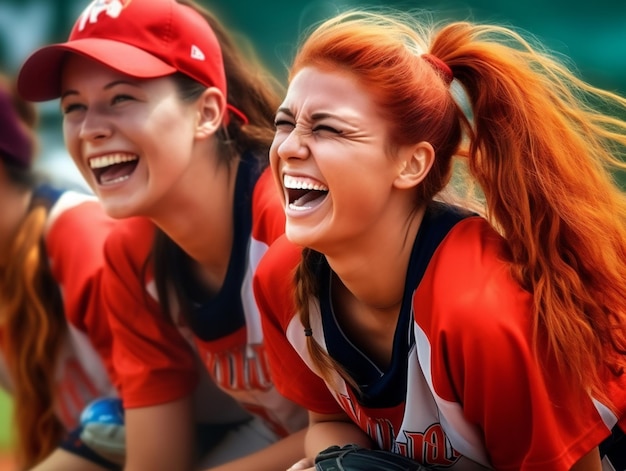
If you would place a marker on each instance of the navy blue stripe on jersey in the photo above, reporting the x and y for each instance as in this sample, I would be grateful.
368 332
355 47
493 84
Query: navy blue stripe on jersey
614 448
216 315
378 387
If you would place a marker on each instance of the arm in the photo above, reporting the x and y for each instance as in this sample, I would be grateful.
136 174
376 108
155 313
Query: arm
337 429
326 430
77 228
155 366
589 462
160 438
279 455
61 459
273 287
490 365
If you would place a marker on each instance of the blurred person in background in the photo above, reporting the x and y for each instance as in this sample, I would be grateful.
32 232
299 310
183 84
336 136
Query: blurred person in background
52 338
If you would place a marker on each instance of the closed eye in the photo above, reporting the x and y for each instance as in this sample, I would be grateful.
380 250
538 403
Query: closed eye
323 127
281 123
121 98
72 107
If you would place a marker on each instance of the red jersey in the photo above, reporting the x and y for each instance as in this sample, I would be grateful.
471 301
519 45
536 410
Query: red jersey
157 359
464 389
74 238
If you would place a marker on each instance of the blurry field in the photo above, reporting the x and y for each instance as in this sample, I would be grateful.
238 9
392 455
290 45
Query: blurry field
5 433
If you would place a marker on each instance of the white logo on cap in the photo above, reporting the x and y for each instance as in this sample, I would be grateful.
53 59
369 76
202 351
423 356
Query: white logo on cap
196 53
112 8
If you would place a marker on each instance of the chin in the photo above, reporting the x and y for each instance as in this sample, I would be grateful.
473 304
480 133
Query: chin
303 238
117 211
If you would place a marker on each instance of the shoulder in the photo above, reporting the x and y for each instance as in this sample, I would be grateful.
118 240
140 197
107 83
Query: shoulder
469 281
132 230
267 210
131 239
75 232
75 209
274 277
279 262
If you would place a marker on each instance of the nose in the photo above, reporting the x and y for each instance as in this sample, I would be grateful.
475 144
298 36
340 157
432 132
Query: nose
293 145
95 126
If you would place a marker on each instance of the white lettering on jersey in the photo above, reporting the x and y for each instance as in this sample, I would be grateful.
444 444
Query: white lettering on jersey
243 368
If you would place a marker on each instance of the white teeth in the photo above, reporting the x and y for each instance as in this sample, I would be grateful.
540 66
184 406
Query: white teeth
298 208
293 183
117 180
111 159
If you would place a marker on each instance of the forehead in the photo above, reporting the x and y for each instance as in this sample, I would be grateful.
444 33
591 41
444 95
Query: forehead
313 90
77 67
82 74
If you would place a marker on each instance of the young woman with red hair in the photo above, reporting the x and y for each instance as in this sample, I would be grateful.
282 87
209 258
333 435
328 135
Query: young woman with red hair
466 333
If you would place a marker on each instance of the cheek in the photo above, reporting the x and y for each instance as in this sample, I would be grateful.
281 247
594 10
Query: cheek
71 140
274 160
273 153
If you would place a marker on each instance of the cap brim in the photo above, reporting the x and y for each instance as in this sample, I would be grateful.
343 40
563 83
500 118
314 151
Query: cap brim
39 78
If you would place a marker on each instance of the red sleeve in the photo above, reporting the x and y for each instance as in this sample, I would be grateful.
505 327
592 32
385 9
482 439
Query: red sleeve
273 288
268 211
478 322
74 244
153 362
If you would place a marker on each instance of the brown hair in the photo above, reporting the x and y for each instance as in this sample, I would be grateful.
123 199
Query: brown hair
253 90
32 321
539 143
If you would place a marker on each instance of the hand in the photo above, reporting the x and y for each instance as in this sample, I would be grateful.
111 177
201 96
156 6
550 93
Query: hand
306 464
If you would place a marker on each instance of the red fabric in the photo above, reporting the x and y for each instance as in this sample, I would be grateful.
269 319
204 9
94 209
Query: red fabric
74 245
273 288
155 363
473 381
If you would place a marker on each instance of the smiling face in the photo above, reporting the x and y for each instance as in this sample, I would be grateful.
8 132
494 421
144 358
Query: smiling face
330 158
131 139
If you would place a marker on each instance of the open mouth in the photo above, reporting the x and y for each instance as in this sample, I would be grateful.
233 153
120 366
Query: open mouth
113 168
303 194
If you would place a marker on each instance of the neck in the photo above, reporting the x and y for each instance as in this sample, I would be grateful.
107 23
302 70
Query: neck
199 219
375 277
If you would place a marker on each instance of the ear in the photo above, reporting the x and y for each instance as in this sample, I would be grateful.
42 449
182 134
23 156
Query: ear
211 107
415 163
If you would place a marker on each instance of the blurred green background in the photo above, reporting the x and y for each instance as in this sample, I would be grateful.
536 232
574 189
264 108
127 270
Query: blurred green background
5 425
591 33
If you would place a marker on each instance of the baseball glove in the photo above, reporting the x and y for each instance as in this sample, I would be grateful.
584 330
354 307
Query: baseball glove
356 458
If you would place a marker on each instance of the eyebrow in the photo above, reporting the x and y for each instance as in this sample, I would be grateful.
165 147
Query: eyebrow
314 116
285 110
106 87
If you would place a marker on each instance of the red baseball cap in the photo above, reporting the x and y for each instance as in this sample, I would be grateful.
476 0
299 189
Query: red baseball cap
139 38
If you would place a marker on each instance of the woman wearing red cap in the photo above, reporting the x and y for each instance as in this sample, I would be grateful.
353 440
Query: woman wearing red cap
50 264
170 125
464 333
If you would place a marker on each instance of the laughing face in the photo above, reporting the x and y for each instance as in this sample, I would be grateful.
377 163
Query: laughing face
329 158
131 139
